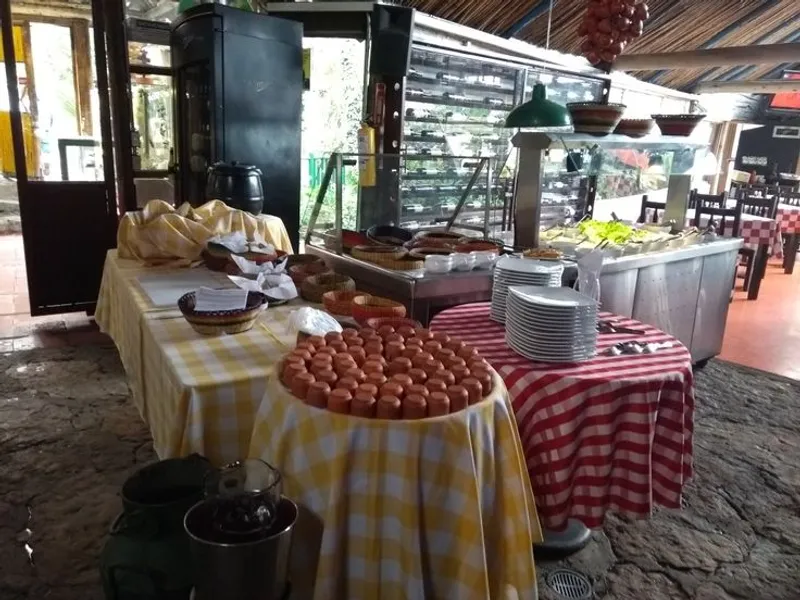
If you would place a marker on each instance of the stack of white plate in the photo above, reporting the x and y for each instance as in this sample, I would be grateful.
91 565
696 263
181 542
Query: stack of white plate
555 324
510 270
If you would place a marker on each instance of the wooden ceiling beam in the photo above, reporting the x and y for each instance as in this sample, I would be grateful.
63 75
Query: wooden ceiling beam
51 9
752 86
712 57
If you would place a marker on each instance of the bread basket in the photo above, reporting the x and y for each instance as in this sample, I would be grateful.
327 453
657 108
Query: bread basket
222 321
366 306
377 253
314 286
339 302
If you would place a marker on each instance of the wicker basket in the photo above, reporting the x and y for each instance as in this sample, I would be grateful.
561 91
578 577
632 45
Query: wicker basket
222 321
378 253
378 322
367 307
315 286
217 260
340 302
301 260
299 273
407 263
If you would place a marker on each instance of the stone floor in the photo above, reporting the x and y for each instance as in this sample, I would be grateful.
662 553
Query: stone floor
69 436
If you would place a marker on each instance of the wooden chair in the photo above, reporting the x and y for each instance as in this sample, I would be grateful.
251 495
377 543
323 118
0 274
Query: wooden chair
709 199
726 220
652 205
791 198
766 208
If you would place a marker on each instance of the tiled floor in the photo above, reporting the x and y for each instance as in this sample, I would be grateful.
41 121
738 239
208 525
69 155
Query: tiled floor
20 331
765 333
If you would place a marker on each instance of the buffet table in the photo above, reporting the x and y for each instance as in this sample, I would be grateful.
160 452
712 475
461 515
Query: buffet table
196 393
612 433
392 509
433 508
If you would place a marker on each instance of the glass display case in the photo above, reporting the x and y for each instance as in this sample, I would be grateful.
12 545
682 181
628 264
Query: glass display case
456 105
566 176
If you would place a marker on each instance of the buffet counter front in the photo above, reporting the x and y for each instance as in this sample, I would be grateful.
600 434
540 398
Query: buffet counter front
684 291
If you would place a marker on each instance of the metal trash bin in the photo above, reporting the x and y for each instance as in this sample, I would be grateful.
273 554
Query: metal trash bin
253 568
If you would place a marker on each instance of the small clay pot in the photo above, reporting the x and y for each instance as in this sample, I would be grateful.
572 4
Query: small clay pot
432 366
394 349
291 371
411 351
485 377
438 404
432 346
447 376
418 375
467 352
339 401
474 389
317 341
460 372
414 341
444 355
358 354
423 334
329 377
441 337
399 365
317 394
338 345
385 330
436 385
389 407
377 379
363 405
354 341
300 383
373 348
421 359
454 361
347 383
403 380
418 388
333 336
455 345
356 374
391 388
377 358
406 331
415 407
459 397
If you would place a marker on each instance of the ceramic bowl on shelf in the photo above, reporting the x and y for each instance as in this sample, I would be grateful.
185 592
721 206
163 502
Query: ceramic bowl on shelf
339 302
438 263
389 234
595 118
477 246
484 259
635 128
680 125
463 262
350 239
220 322
422 253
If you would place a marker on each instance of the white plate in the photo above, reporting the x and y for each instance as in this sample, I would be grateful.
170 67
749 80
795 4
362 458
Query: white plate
575 349
555 297
536 313
540 337
527 265
580 354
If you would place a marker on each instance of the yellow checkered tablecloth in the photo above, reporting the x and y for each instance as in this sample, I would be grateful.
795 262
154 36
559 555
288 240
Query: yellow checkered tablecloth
436 508
201 392
161 234
196 393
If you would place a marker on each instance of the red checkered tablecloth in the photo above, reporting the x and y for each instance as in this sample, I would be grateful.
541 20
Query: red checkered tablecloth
756 231
789 218
612 433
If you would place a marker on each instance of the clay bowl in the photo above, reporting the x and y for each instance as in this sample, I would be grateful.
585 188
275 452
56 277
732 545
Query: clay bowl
389 234
370 307
680 125
634 128
595 118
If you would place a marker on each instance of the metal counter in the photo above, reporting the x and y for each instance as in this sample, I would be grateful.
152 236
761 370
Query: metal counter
685 292
423 294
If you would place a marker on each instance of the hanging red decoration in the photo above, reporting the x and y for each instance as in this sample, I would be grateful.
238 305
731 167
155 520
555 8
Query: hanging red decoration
609 25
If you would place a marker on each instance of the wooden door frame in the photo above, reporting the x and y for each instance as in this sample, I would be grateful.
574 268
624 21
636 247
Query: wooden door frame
18 142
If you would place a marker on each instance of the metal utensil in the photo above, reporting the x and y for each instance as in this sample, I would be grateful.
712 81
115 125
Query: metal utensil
610 327
636 347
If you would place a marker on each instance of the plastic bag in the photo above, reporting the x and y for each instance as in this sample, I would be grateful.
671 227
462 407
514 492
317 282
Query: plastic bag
311 321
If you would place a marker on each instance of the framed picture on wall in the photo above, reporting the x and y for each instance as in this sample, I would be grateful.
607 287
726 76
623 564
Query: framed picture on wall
785 132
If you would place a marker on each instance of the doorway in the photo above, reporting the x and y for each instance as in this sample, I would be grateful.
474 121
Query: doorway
54 136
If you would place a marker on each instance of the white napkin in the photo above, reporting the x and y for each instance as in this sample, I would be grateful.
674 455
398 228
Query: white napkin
210 300
237 242
276 285
589 267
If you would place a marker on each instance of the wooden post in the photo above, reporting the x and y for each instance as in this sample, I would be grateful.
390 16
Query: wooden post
82 73
712 57
29 75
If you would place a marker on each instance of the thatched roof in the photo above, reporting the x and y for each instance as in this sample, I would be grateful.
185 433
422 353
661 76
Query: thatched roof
673 25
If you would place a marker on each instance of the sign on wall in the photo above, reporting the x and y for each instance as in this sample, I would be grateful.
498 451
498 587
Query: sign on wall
785 132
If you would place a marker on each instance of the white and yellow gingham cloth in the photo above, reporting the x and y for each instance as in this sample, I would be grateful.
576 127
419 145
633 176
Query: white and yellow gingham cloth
436 508
196 393
162 234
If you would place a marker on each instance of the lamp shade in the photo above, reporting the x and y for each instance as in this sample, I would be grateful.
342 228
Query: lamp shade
539 112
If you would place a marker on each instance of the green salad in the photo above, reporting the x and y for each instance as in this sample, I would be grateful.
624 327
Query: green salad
615 232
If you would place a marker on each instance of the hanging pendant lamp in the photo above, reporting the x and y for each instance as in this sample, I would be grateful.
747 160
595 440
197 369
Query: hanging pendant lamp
539 111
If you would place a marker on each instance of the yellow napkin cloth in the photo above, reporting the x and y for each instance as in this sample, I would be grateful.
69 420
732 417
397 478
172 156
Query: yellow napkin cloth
161 234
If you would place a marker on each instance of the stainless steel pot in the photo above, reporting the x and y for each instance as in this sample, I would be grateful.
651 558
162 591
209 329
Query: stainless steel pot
237 185
252 570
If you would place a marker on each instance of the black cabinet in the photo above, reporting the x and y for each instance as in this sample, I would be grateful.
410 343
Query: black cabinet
238 84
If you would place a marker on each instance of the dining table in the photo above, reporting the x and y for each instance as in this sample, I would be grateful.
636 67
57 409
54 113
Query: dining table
788 218
609 433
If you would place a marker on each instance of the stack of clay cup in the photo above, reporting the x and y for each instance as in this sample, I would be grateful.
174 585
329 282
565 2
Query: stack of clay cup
407 373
